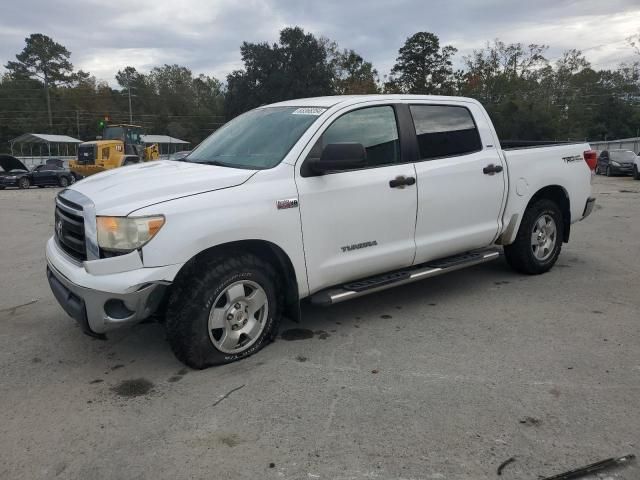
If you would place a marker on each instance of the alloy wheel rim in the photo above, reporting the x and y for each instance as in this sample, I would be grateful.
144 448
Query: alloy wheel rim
238 316
543 237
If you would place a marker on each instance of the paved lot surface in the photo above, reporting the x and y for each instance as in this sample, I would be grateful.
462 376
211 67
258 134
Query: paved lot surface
443 379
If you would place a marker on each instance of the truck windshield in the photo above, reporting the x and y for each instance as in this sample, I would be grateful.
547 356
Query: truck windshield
258 139
113 133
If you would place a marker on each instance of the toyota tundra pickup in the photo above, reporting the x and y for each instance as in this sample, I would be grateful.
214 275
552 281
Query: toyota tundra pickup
325 199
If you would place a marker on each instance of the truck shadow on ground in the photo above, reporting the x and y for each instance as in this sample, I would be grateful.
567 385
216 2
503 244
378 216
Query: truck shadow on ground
146 343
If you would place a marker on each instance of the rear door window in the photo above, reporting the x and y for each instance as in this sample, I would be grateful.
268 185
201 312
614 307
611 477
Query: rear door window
444 130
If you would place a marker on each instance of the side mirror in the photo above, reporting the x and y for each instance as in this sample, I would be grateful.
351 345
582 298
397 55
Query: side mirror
340 156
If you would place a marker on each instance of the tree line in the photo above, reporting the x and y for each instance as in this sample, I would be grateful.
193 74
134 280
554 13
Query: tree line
528 96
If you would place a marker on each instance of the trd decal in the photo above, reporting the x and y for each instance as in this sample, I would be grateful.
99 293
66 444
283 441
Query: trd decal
574 158
358 246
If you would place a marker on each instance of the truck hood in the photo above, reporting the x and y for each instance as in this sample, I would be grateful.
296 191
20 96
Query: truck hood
122 190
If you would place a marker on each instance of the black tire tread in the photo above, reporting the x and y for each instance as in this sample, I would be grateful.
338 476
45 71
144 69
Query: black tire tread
519 255
190 293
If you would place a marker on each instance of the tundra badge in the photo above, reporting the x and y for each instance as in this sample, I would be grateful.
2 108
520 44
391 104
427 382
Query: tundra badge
289 203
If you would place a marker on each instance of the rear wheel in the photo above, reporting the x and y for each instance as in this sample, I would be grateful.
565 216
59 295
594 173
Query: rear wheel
223 309
63 182
24 182
636 173
608 171
539 240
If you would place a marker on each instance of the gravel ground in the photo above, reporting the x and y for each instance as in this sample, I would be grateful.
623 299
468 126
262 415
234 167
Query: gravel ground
443 379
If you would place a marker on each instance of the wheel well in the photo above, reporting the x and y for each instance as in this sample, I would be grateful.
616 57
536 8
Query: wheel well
559 196
267 251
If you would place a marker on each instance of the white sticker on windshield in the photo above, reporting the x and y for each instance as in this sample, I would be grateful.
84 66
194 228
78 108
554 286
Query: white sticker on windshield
309 111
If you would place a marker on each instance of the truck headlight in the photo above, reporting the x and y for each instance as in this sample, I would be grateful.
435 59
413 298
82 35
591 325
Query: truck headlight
615 164
125 234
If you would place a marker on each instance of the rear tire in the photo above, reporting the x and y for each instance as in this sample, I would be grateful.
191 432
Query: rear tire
608 172
209 323
636 173
24 183
539 240
63 182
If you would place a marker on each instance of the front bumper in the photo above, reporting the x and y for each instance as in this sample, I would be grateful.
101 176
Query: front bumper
107 300
5 182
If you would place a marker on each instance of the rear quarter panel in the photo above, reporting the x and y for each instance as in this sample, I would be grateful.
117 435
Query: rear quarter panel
532 169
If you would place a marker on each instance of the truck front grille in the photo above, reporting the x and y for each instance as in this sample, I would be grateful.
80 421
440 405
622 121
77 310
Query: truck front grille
69 231
86 154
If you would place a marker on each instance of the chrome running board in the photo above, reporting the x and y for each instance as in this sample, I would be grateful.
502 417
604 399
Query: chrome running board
377 283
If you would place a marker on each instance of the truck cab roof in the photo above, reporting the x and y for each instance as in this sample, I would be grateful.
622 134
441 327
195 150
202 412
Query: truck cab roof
345 100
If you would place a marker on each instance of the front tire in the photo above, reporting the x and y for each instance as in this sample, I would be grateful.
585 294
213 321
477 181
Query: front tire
223 309
608 172
539 240
24 183
636 173
63 182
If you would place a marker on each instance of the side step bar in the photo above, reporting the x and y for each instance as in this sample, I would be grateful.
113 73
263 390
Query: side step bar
377 283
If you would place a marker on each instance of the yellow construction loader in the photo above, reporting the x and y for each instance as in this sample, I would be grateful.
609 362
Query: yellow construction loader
119 145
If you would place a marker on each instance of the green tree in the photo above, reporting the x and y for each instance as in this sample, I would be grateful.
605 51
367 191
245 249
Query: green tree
423 67
44 59
294 67
352 74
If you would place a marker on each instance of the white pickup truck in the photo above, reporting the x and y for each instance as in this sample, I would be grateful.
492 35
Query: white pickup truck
325 199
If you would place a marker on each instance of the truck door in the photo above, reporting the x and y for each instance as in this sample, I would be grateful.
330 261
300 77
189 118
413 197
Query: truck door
460 178
355 223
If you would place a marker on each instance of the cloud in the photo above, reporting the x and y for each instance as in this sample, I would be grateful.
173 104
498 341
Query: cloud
205 35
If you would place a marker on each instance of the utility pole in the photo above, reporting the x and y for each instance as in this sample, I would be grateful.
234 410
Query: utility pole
129 90
46 92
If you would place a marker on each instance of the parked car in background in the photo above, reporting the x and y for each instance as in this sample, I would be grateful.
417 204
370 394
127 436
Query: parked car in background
16 174
179 155
636 168
615 162
51 174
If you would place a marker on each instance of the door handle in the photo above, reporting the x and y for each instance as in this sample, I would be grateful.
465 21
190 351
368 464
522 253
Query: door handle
402 181
492 169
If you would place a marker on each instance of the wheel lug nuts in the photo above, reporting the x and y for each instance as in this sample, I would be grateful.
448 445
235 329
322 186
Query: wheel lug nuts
237 305
229 317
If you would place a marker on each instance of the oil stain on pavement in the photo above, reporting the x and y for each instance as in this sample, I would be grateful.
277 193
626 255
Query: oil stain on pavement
133 388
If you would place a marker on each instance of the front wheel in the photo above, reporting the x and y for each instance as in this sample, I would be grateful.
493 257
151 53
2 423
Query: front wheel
63 182
223 309
636 173
539 240
608 171
24 183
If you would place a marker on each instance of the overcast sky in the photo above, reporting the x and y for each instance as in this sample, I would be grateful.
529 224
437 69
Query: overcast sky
205 35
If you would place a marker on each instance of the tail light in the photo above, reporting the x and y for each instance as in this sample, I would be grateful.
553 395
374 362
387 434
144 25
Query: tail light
591 157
